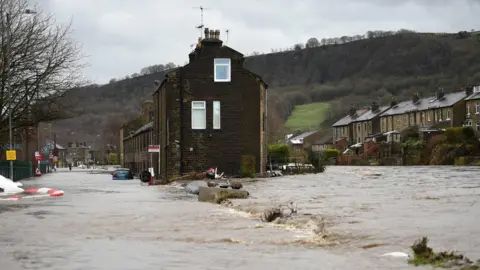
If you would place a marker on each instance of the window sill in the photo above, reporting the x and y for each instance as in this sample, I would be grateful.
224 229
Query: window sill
222 80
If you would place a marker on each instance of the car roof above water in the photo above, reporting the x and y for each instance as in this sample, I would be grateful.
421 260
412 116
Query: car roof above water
122 169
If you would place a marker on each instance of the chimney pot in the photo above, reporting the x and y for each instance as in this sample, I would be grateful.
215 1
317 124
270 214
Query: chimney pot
415 98
375 106
212 34
440 93
393 102
469 90
217 34
206 33
352 111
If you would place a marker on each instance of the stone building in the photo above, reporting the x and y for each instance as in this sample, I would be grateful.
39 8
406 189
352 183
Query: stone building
210 113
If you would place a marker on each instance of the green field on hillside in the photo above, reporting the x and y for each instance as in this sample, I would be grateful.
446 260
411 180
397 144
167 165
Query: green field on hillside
308 116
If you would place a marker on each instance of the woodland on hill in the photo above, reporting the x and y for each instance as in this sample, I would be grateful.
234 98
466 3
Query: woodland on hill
342 72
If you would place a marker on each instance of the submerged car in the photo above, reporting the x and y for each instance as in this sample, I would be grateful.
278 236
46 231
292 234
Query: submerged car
122 174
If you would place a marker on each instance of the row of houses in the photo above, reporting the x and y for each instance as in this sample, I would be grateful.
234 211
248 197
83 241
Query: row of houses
209 113
440 111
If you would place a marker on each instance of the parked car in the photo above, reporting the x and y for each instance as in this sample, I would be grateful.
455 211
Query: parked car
122 174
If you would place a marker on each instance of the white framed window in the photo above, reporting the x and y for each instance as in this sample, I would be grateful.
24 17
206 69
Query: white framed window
448 114
468 110
222 69
199 115
478 126
477 108
428 116
216 114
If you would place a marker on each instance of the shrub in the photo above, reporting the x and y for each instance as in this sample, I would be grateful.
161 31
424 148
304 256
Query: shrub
460 134
330 153
248 166
279 152
316 160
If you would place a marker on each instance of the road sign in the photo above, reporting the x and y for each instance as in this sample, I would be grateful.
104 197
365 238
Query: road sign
37 154
154 148
11 155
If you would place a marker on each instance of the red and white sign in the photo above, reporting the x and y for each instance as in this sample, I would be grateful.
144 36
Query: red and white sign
154 148
38 156
37 172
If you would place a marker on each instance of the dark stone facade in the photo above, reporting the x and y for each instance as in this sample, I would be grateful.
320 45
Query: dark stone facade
242 121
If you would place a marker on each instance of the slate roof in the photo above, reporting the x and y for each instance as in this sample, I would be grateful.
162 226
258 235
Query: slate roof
369 115
348 119
449 99
144 128
325 140
299 138
473 96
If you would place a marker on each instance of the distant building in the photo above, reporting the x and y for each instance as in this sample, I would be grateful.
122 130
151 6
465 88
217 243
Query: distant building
210 112
135 149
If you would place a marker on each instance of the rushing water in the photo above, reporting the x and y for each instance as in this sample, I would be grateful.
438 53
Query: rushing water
105 224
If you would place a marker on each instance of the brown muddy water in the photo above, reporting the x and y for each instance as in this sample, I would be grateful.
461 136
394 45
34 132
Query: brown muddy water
105 224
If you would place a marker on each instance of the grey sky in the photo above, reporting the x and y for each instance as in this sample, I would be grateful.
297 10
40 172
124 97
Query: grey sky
122 36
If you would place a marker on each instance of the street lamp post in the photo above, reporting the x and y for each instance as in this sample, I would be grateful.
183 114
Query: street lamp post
10 101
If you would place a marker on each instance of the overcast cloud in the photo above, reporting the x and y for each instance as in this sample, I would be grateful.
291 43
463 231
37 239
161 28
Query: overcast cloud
122 36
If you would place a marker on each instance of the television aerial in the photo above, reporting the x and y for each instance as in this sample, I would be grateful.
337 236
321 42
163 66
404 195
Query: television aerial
227 32
201 25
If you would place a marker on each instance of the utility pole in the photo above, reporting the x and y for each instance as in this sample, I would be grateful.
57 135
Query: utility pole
7 65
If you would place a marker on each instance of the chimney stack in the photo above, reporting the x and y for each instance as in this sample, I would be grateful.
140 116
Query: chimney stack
415 98
212 34
375 107
469 90
217 34
440 93
393 103
207 33
352 111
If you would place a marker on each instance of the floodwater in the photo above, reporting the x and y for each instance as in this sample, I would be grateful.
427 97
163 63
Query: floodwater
105 224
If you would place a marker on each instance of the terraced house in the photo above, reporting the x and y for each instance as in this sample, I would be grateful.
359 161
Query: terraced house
342 129
210 113
367 125
439 111
472 104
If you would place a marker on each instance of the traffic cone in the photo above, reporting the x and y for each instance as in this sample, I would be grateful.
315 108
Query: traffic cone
37 172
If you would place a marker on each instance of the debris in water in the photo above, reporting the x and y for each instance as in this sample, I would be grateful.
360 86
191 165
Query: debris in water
372 245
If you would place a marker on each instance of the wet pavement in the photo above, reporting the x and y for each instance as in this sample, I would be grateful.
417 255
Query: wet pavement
105 224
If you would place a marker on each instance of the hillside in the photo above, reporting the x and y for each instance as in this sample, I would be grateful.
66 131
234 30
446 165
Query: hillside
356 72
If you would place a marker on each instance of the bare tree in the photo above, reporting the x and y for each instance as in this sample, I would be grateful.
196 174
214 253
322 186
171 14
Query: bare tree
312 42
38 64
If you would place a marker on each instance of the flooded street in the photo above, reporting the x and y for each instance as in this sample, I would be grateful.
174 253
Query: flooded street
105 224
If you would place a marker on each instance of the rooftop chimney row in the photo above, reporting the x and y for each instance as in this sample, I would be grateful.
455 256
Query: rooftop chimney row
211 33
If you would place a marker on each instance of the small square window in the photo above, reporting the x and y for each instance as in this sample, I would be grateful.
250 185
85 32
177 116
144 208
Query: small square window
222 70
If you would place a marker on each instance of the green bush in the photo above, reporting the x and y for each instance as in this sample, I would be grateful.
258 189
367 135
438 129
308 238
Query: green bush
330 153
248 166
279 152
317 161
460 134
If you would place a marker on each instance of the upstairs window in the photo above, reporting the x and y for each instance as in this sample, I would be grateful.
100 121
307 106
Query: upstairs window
199 115
216 114
222 69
